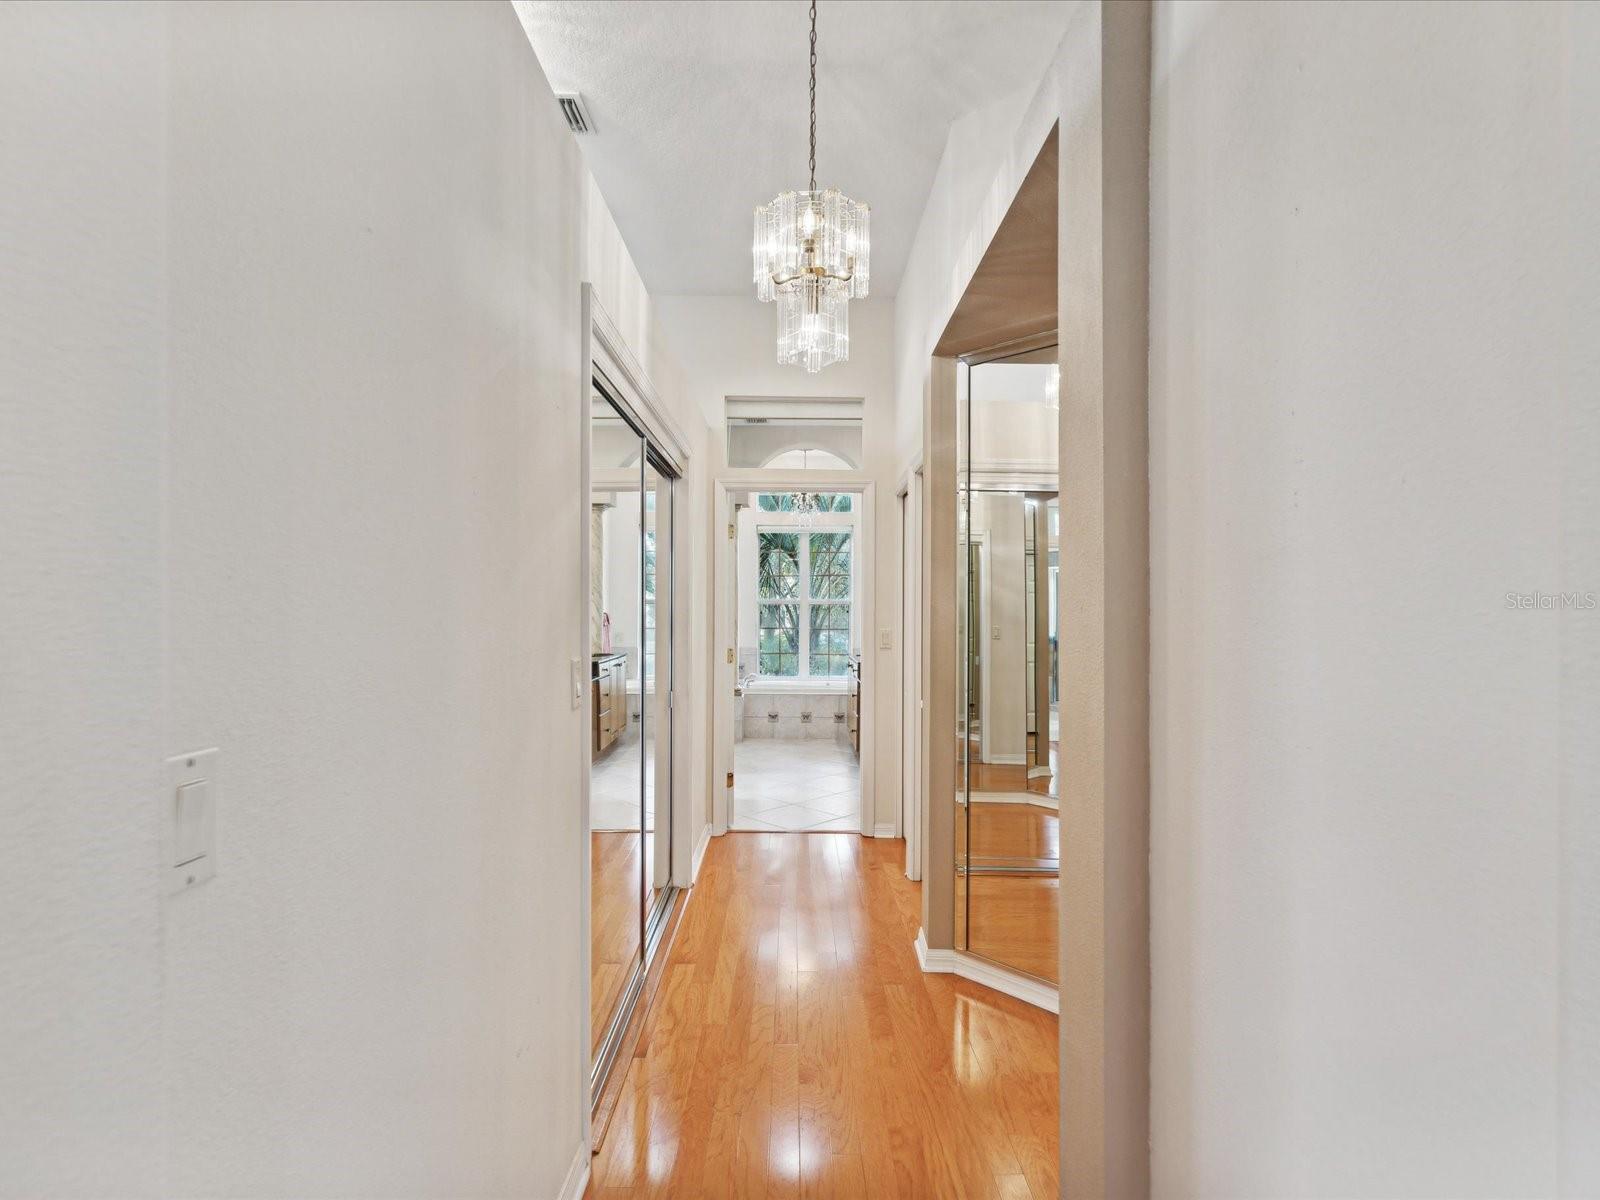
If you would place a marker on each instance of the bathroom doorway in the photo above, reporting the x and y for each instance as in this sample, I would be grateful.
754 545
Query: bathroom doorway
796 733
795 617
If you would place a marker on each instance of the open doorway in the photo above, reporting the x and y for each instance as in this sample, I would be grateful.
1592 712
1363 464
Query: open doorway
796 726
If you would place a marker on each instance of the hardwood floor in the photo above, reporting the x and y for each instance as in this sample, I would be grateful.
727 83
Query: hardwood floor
613 924
796 1049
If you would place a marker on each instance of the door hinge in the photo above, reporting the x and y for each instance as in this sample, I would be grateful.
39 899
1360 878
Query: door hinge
730 778
730 658
730 529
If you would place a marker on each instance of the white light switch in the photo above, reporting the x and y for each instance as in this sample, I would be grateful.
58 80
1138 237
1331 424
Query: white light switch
579 678
190 823
189 851
885 639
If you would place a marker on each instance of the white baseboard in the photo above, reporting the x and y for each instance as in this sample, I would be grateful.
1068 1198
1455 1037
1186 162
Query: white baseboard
700 844
1053 803
1013 983
572 1187
969 966
934 962
885 830
1006 760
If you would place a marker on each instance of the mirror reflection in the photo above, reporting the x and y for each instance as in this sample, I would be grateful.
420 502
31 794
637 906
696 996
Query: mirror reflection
1008 736
630 625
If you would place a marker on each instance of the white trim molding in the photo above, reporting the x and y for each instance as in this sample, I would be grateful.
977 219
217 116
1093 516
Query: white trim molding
1015 474
991 975
572 1187
700 845
884 829
934 962
1037 799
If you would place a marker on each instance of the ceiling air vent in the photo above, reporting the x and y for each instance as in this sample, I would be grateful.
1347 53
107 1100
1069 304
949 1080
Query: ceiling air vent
576 113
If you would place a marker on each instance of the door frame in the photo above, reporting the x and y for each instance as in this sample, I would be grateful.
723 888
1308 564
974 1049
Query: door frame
725 622
909 819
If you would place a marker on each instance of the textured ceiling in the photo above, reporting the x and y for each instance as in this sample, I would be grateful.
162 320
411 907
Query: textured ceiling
700 111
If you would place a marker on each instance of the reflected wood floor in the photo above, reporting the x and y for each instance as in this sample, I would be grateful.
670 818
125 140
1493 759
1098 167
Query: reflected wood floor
1005 831
1013 921
1013 917
796 1049
613 924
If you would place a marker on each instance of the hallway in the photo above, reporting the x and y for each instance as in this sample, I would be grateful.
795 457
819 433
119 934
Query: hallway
795 1048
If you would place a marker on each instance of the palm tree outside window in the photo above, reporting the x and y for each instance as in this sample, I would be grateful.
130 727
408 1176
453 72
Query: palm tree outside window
803 586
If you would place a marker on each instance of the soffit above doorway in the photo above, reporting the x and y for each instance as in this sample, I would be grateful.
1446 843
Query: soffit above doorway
1012 295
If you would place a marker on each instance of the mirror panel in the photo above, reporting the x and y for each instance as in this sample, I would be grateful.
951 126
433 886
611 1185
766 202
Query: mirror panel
630 774
1008 523
655 679
616 777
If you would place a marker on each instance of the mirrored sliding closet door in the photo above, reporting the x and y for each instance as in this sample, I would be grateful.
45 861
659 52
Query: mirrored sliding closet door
1008 860
630 622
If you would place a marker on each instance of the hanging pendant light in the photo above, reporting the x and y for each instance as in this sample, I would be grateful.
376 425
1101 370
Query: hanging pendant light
811 255
805 503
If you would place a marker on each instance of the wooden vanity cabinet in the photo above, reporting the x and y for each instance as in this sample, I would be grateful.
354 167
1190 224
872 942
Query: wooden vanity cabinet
610 701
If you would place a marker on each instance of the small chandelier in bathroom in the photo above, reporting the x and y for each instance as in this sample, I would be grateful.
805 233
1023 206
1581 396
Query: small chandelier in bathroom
811 255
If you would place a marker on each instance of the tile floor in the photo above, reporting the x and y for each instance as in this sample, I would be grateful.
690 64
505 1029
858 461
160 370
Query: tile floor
614 785
795 785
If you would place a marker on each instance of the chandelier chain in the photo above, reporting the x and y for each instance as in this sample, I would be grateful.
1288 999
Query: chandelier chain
813 95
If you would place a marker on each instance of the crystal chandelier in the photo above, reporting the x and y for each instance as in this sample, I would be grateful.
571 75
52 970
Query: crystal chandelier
811 255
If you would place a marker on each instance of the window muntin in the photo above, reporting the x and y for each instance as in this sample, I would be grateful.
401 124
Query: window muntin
803 599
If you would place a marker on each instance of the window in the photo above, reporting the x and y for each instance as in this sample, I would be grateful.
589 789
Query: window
803 603
790 501
829 603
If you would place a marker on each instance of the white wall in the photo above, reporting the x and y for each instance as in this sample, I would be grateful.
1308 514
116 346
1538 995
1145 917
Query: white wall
83 729
1013 428
727 346
1373 414
620 575
289 442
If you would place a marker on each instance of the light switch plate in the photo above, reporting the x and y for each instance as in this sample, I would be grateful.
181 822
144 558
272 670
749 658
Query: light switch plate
885 639
189 829
578 680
